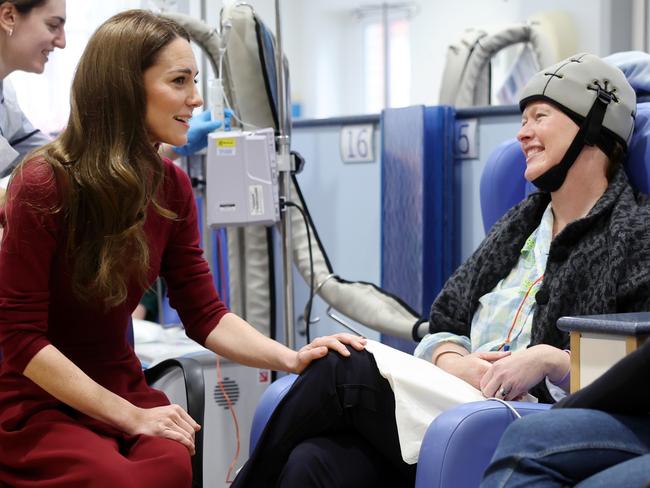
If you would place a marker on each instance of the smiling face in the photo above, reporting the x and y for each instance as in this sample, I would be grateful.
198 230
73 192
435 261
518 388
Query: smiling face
171 93
34 35
545 135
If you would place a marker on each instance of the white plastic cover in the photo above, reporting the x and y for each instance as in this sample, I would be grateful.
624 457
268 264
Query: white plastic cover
362 302
466 77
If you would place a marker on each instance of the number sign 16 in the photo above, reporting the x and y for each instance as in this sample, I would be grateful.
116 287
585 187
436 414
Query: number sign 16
357 145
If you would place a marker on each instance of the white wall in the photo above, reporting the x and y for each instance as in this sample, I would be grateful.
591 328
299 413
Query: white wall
323 42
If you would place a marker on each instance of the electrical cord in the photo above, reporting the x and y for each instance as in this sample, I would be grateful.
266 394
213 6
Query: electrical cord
229 478
510 407
308 306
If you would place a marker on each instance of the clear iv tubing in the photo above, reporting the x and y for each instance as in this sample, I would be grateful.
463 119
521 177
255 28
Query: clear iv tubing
216 95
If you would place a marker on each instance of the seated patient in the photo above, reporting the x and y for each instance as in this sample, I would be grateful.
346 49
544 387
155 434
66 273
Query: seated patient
90 221
597 437
577 246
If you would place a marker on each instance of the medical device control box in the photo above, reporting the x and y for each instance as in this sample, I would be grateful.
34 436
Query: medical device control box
242 179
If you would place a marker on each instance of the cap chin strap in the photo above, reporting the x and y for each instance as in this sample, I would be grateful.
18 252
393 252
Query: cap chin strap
588 134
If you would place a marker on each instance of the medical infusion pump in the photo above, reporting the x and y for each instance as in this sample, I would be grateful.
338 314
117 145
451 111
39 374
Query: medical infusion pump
242 179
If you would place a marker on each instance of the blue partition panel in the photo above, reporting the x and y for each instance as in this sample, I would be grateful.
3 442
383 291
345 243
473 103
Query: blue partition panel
419 234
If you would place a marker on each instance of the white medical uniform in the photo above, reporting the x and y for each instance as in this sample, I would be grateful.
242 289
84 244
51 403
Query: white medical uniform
17 134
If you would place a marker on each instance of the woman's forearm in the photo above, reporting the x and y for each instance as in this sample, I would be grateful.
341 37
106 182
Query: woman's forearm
238 341
558 368
65 381
446 351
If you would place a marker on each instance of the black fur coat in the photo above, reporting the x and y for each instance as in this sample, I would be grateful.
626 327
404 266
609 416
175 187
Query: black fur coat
598 264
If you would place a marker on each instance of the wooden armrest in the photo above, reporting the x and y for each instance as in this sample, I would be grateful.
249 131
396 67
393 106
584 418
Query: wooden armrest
599 341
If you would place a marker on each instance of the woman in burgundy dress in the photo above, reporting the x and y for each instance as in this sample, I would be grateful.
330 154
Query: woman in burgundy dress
90 221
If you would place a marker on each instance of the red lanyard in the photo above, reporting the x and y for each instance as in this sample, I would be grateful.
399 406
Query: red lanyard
506 345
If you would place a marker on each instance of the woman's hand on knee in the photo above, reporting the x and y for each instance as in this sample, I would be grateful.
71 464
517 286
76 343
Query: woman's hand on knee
320 346
169 421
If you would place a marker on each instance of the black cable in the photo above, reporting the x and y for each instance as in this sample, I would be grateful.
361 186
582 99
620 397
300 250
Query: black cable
310 301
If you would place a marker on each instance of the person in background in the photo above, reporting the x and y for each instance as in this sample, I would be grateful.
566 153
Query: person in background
91 219
147 309
29 31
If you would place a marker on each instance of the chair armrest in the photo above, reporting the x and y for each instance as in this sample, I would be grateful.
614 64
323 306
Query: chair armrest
624 324
268 401
599 341
460 442
192 372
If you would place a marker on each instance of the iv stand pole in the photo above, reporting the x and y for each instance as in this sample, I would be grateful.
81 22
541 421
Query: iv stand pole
284 166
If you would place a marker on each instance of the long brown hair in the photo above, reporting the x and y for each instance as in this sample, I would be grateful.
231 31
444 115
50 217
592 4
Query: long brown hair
105 163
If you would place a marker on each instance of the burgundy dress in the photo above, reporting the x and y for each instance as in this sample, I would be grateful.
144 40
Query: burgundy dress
44 442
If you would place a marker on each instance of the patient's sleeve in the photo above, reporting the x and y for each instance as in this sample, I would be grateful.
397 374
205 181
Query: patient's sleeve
31 229
187 274
430 342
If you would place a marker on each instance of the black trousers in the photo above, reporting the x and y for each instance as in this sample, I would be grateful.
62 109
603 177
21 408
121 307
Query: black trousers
335 428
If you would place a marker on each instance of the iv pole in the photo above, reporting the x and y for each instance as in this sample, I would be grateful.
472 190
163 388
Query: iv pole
285 168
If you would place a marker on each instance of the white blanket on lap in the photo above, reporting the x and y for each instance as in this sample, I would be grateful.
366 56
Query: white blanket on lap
422 392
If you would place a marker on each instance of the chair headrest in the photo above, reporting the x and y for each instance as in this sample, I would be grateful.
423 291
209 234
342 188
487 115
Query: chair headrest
502 182
637 164
636 67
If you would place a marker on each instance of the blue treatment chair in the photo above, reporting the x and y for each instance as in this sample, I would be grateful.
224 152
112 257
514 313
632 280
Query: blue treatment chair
460 442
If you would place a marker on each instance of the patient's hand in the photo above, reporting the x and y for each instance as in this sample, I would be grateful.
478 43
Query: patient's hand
522 370
470 368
